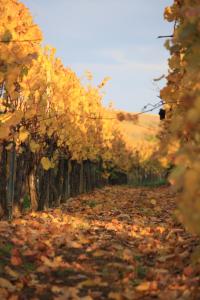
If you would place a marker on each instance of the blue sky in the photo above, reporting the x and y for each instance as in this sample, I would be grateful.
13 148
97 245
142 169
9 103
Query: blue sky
116 38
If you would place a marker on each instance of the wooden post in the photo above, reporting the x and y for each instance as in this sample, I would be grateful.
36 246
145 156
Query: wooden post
65 192
3 179
11 180
59 181
92 176
32 180
81 186
47 198
84 177
69 171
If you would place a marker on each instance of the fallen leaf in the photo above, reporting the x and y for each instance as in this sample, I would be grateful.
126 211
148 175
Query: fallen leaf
92 282
16 260
164 258
3 293
188 271
99 253
114 295
4 283
153 202
144 286
11 272
13 297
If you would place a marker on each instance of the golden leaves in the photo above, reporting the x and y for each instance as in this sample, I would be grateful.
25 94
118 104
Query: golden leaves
34 146
181 95
103 83
170 13
146 286
4 283
5 117
47 163
8 120
15 52
52 100
23 134
98 262
153 201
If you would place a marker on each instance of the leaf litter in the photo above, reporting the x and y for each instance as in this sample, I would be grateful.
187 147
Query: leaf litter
115 243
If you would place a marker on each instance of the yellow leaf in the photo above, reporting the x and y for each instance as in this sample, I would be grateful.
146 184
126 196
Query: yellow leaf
46 163
144 286
153 201
11 272
34 146
23 135
4 283
92 282
5 117
9 147
114 295
168 14
99 253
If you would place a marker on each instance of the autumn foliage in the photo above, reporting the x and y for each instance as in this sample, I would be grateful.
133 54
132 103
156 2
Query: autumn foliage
182 102
117 243
57 141
46 113
41 99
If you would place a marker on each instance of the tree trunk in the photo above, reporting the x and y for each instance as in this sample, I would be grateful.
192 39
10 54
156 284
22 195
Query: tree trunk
11 180
3 180
32 180
81 186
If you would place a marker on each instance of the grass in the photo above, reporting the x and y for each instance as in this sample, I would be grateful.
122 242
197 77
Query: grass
152 184
26 202
156 183
29 267
6 249
92 203
141 271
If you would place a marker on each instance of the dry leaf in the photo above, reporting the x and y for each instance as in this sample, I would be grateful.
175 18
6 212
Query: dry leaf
16 261
11 272
144 286
4 283
114 295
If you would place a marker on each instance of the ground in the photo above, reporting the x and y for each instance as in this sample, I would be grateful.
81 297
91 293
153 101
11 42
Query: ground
115 243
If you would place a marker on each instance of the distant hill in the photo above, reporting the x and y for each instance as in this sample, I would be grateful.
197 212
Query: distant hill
141 134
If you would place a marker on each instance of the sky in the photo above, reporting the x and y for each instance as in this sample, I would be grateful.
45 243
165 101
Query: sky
116 38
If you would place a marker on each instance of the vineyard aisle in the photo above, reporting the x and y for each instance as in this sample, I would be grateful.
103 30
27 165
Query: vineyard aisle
115 243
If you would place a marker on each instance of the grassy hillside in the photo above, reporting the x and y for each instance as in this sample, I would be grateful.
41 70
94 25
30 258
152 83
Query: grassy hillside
144 129
141 134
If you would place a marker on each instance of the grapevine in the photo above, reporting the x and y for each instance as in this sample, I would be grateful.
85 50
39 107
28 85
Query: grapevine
182 98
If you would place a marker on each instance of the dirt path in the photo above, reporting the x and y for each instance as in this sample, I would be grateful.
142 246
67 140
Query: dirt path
116 243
